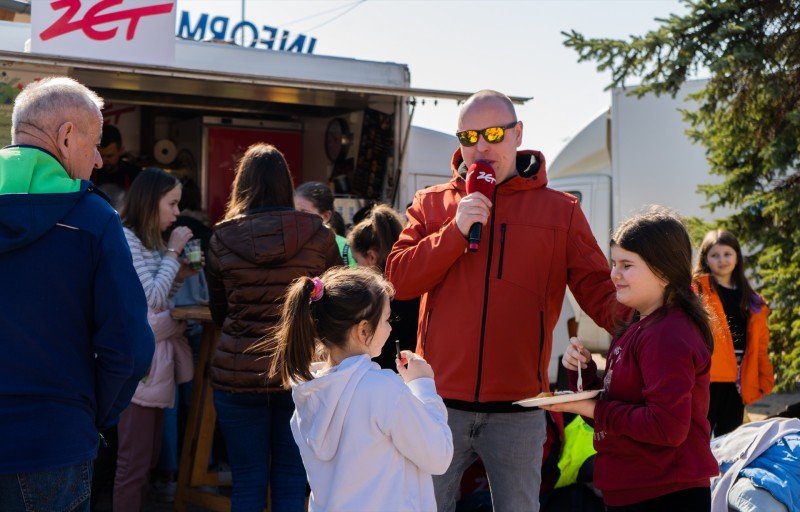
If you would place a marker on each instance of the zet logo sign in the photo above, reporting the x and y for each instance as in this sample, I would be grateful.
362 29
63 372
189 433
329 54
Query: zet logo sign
120 30
488 178
97 15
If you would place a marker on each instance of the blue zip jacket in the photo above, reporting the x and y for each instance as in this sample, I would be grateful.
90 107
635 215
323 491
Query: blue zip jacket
73 316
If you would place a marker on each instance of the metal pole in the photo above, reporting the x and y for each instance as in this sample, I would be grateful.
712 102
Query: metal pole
396 184
242 31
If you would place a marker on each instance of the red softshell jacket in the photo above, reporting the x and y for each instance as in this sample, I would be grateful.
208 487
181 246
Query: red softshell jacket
486 318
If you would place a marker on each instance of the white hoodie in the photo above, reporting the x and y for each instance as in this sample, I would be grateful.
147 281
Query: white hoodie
369 442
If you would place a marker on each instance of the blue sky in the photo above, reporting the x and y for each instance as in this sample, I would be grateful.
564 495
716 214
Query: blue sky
513 46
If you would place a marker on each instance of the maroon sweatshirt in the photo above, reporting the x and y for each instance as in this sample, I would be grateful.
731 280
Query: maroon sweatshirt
651 432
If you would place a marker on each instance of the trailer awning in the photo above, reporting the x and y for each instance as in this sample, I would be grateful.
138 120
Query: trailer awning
204 84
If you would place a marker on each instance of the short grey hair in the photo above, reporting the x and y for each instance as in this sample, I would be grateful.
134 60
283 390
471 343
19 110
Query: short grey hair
52 100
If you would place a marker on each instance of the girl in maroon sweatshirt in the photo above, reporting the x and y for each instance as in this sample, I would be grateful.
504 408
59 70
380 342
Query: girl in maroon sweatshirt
651 432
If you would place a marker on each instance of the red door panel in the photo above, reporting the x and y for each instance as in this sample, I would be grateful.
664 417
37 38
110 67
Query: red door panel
226 145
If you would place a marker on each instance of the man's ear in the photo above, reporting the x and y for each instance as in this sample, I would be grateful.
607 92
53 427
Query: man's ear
518 133
65 132
326 216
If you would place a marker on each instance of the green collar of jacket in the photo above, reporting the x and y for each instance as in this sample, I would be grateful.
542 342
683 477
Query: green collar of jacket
31 170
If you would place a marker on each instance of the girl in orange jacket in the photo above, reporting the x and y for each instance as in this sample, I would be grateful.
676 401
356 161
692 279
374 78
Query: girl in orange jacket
741 372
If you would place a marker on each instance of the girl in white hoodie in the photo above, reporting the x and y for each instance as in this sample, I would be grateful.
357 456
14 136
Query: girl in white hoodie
369 440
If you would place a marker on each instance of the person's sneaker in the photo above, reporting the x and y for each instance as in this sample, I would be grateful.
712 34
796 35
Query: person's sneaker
165 491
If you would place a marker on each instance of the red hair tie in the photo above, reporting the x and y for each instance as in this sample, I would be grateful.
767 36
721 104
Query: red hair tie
318 291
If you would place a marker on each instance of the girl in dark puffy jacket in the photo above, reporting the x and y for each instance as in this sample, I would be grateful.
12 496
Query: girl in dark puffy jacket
255 252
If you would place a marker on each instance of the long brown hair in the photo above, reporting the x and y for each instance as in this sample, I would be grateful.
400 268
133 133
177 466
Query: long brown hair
659 237
140 213
722 237
350 295
262 180
378 232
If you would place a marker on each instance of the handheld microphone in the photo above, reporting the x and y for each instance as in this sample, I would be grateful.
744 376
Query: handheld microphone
480 178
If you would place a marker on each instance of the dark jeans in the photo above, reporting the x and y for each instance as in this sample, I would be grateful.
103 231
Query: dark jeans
696 499
261 451
63 489
725 409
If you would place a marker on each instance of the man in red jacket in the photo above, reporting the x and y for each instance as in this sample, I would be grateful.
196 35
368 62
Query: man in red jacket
487 317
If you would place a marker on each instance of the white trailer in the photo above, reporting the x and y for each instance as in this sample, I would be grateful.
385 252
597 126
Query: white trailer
635 154
427 162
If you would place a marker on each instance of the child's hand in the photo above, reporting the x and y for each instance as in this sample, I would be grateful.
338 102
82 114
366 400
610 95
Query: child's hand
575 354
186 269
417 367
583 407
178 239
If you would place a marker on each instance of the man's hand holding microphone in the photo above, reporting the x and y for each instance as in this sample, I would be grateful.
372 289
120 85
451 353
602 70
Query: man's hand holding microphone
473 210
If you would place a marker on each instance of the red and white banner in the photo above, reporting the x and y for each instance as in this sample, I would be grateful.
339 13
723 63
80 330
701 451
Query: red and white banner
140 31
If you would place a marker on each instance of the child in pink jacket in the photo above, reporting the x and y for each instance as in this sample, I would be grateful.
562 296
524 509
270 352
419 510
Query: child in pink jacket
150 210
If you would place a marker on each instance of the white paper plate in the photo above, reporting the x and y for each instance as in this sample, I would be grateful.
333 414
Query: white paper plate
558 399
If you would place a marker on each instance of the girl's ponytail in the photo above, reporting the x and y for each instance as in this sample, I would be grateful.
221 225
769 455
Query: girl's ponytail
321 312
295 334
378 232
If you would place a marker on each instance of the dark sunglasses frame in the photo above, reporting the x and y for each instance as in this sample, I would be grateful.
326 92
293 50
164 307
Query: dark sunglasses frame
464 140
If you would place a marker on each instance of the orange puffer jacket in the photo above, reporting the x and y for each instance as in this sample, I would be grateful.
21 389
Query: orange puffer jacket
487 317
757 378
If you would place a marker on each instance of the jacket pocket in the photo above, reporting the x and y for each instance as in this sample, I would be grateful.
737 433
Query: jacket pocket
526 256
58 490
502 251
